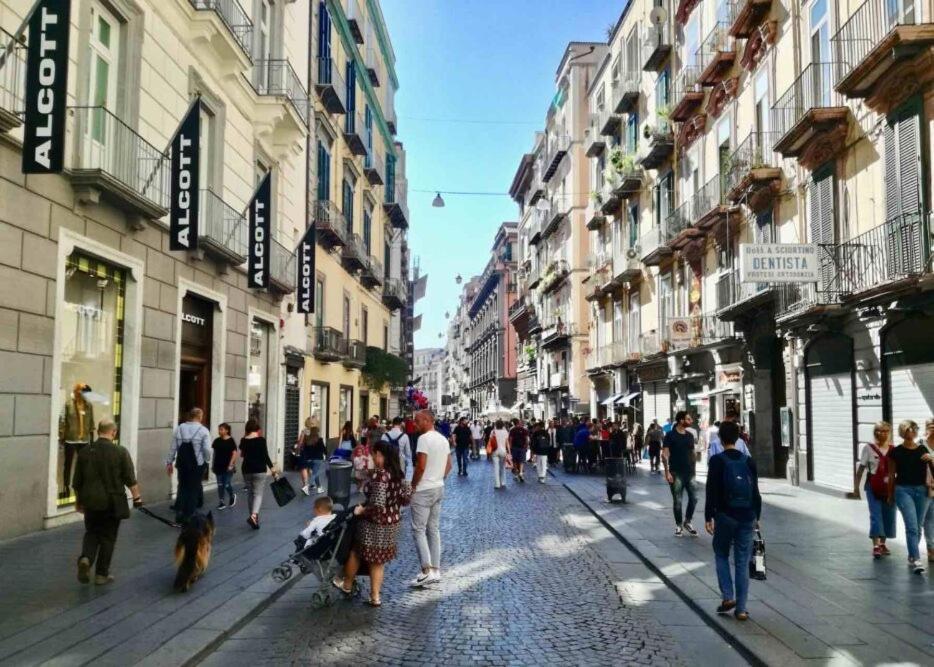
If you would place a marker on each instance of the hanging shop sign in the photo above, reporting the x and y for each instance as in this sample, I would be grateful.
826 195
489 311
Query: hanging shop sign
185 185
679 329
46 87
260 239
306 273
778 263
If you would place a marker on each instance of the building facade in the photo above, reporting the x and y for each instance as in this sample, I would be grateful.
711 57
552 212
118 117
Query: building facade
457 366
429 375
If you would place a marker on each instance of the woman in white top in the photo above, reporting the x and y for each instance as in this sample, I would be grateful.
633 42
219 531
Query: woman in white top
499 444
881 513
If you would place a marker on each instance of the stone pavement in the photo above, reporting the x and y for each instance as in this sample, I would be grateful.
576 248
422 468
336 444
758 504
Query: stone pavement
825 601
530 577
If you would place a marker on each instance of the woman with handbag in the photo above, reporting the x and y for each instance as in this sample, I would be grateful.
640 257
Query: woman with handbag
910 463
874 458
497 449
256 463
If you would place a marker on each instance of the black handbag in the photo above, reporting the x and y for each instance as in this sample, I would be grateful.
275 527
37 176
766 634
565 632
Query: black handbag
282 491
757 558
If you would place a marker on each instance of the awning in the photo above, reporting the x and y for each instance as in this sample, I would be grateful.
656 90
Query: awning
625 399
724 390
699 396
611 400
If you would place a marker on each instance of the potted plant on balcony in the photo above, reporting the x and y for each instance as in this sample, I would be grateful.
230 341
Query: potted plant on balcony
597 198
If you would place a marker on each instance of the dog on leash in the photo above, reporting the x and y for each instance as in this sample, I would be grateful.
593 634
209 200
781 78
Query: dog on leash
193 550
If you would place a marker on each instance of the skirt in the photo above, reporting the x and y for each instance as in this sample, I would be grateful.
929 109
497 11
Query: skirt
376 543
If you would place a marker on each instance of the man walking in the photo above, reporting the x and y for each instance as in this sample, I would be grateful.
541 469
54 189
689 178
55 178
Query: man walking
678 459
190 453
399 441
714 445
518 448
432 465
477 434
102 471
731 514
462 439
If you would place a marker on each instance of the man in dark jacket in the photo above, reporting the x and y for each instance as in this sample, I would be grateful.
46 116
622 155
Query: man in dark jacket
103 469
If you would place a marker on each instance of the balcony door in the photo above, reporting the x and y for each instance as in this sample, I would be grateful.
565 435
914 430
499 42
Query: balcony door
905 237
324 44
104 50
635 322
899 12
819 15
263 32
345 321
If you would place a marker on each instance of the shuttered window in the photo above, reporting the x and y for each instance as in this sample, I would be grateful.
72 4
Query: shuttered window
821 218
324 173
347 206
903 196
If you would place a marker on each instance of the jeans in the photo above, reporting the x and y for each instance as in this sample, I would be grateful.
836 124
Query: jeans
100 538
729 532
426 525
683 482
881 516
224 480
255 485
477 446
499 471
929 526
541 465
316 472
913 503
463 455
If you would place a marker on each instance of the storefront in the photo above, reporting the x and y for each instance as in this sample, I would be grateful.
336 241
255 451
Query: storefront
908 363
318 409
195 376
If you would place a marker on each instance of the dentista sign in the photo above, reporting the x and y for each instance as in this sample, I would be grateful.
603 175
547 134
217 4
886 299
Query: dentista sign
778 263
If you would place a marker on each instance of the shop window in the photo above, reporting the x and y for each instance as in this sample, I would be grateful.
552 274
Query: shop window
258 374
92 359
320 394
345 406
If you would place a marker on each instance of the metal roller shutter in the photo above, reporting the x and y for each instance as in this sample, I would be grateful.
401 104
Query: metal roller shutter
912 394
662 401
832 430
648 403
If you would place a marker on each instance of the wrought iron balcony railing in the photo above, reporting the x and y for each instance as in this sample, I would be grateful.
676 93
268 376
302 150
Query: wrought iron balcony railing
330 86
753 159
396 203
354 255
277 78
282 268
232 15
687 94
330 224
813 89
374 167
717 52
394 293
734 296
356 20
354 353
372 275
328 344
626 91
373 66
223 229
656 48
12 81
558 147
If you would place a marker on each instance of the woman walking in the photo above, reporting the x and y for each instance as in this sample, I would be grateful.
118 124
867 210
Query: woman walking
378 520
497 449
653 436
637 443
910 463
256 463
346 443
929 518
875 458
311 454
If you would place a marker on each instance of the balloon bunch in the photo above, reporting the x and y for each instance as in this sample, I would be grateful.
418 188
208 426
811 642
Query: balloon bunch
415 397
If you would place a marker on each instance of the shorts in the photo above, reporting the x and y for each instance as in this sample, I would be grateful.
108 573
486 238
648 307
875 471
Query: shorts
518 454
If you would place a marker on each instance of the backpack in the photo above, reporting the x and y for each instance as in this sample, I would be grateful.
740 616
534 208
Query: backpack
879 480
737 482
394 442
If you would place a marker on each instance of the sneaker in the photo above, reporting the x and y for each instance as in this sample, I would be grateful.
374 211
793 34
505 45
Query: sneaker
522 478
877 552
221 505
422 579
917 566
320 489
541 480
233 500
305 489
688 527
103 580
679 531
84 570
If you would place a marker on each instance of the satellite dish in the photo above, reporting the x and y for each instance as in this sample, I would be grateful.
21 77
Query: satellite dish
658 15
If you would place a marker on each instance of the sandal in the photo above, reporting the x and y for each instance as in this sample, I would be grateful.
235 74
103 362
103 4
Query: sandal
339 585
374 603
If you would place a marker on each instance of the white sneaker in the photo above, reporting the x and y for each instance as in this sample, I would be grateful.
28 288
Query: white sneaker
320 489
305 489
917 565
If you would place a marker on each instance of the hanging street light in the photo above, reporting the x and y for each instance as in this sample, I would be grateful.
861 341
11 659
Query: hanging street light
438 201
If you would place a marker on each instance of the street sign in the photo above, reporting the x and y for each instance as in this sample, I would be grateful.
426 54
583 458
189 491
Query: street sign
778 263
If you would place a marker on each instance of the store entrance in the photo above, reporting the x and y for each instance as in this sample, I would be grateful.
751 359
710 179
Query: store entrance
195 390
196 369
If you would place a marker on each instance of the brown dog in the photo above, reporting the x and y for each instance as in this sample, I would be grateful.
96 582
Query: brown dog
193 550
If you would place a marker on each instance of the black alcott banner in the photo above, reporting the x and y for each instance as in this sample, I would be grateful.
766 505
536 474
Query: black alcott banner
186 163
305 279
46 87
260 239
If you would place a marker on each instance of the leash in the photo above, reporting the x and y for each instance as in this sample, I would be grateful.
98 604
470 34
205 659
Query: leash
146 511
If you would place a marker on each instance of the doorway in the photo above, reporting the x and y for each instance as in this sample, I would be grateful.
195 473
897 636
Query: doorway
196 367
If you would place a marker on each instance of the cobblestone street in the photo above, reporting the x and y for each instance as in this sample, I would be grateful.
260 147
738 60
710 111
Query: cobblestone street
527 579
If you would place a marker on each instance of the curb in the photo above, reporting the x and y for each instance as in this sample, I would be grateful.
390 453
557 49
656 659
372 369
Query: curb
733 640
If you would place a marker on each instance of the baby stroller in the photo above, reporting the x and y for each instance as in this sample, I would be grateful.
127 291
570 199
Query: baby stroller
325 557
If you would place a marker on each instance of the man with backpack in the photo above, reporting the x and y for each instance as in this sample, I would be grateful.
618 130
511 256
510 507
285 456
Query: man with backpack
731 515
190 454
399 441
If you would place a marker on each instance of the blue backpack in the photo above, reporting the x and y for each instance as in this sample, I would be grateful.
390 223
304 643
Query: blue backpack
737 482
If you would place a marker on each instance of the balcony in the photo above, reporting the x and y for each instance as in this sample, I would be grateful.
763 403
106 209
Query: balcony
558 380
626 91
391 120
354 354
609 199
373 273
594 214
556 213
111 161
535 276
657 48
680 226
558 147
687 332
624 175
356 20
537 188
593 140
354 256
748 16
627 266
12 82
712 210
609 120
276 78
374 167
555 275
228 27
661 141
654 245
535 226
879 48
688 94
328 344
811 118
223 230
396 204
282 269
330 224
717 52
601 276
651 344
754 174
373 66
556 331
735 298
394 296
330 86
353 132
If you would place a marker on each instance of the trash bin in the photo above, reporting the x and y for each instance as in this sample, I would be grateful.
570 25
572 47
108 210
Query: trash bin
615 478
339 475
569 454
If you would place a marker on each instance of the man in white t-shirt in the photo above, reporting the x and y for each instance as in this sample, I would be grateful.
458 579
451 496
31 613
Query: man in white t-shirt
432 465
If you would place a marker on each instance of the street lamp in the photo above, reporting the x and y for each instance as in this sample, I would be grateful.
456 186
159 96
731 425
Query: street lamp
438 201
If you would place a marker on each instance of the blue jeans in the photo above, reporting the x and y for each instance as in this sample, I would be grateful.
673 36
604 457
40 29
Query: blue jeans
881 516
316 472
224 480
728 532
912 502
463 455
681 484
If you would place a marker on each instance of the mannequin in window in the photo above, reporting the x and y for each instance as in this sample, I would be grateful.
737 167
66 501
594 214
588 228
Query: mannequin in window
75 430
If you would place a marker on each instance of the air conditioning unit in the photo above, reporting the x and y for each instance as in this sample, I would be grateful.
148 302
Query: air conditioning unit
632 253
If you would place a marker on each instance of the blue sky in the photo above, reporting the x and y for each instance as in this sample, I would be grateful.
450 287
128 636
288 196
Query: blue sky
474 60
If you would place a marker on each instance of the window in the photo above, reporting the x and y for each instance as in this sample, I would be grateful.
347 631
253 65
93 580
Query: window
820 52
324 44
762 104
368 123
104 48
257 377
347 204
350 117
367 231
666 301
346 405
390 188
385 337
632 132
665 197
633 224
364 325
319 302
692 40
318 412
263 36
208 137
324 172
346 318
635 321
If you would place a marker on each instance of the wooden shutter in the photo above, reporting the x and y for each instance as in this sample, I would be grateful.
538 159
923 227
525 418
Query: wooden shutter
821 224
903 198
324 42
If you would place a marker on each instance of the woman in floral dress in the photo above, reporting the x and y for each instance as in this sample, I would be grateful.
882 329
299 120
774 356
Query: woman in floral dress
378 521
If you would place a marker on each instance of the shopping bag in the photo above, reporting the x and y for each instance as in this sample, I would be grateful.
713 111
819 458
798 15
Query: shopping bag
282 491
757 559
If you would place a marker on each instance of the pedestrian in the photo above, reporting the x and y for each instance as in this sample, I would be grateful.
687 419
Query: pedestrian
581 443
256 464
432 466
713 438
678 459
667 426
378 521
346 443
929 517
362 461
311 458
224 464
541 446
637 442
910 463
476 433
518 448
303 464
496 449
564 434
731 514
653 437
190 453
874 457
619 442
399 441
462 438
102 470
487 432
